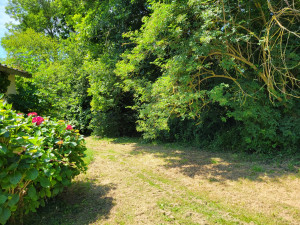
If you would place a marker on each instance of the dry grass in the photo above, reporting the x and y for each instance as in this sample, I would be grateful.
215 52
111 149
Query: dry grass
130 183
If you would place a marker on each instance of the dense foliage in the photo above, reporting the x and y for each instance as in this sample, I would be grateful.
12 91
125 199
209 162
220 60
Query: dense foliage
27 99
219 69
38 158
221 74
4 82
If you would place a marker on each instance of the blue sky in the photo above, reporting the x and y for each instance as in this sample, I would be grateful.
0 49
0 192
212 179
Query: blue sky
3 19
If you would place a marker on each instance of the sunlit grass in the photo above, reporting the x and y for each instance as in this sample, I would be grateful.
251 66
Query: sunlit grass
89 156
159 184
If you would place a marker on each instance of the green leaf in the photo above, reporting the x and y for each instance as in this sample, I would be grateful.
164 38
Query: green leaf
3 174
3 198
14 200
55 191
3 148
48 193
59 178
15 178
14 208
45 182
13 166
248 140
74 144
4 133
42 193
66 182
69 173
32 174
32 193
4 216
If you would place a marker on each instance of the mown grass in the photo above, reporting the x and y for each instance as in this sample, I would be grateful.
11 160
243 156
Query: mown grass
132 182
283 160
187 201
82 203
89 156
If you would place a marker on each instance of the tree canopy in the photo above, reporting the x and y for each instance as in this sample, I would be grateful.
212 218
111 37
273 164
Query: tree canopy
221 74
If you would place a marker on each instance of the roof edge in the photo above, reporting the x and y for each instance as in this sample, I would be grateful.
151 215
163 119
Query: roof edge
12 71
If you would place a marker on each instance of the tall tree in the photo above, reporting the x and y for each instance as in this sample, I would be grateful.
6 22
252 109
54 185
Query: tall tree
47 16
101 31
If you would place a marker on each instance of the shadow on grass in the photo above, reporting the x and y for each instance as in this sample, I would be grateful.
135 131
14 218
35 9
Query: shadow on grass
82 203
220 166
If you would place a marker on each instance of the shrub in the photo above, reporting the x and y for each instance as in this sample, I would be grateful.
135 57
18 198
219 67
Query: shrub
27 98
256 126
38 158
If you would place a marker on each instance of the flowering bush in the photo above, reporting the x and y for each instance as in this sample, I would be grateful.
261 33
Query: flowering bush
69 127
38 120
31 114
38 158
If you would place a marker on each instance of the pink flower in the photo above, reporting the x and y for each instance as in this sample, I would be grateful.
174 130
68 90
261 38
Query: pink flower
38 120
32 114
69 127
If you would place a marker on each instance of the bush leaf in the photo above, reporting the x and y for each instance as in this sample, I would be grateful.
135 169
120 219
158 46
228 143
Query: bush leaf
4 216
15 178
14 200
45 182
32 193
3 198
32 174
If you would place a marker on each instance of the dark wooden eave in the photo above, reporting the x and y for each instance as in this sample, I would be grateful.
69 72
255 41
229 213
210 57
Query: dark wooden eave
12 71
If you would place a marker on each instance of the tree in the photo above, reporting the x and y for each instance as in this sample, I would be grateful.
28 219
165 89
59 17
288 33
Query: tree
46 16
101 30
83 33
225 67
